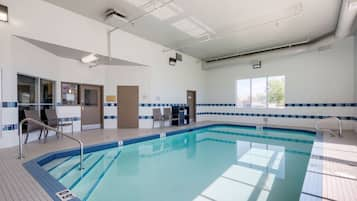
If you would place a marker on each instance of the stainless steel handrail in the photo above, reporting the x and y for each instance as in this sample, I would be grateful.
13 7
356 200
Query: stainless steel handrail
21 155
329 130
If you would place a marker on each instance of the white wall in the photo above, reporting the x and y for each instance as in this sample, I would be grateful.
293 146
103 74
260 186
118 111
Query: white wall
355 83
316 77
42 21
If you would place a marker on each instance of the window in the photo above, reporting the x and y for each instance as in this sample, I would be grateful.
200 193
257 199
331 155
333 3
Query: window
35 94
261 92
243 93
90 97
276 91
69 93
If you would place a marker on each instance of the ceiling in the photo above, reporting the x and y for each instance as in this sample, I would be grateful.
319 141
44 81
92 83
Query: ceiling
70 53
209 29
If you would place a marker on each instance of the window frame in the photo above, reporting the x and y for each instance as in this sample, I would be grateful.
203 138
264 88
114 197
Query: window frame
38 103
78 93
266 89
282 107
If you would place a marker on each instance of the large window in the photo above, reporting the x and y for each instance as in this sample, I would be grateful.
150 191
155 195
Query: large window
261 92
276 91
35 94
243 93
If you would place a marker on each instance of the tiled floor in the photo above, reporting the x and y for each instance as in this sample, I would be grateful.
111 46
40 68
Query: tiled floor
332 171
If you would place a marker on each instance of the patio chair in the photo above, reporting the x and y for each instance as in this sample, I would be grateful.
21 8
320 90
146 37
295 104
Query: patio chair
157 116
31 127
167 115
55 122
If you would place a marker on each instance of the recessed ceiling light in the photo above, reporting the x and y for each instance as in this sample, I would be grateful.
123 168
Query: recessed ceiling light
161 9
206 27
4 13
165 12
89 59
138 3
191 28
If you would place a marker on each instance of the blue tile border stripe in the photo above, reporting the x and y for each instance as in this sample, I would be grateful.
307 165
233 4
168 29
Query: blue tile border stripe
274 115
146 117
110 104
110 117
70 119
286 105
161 104
321 105
9 104
141 139
263 136
9 127
217 104
15 104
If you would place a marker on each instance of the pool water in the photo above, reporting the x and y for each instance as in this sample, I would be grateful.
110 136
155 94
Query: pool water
223 163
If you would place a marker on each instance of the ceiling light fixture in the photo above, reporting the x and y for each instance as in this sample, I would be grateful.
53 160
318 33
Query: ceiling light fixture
162 10
193 27
89 59
4 15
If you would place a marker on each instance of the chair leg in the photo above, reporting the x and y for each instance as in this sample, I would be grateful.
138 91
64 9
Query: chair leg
39 137
46 134
27 137
57 132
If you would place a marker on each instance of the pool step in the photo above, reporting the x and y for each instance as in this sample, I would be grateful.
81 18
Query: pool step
63 167
68 177
53 164
89 178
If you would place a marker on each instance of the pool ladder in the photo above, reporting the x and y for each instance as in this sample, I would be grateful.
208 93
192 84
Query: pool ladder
318 129
260 127
21 154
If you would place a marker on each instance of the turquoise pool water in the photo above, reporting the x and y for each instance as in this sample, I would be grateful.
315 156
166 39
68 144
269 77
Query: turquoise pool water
223 163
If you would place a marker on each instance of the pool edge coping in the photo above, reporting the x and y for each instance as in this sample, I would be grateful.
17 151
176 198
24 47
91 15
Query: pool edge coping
51 186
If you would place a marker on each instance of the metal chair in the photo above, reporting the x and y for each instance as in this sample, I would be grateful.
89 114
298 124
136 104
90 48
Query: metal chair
31 127
157 116
167 115
55 122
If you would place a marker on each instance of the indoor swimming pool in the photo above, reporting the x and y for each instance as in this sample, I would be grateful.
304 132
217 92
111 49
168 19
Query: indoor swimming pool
223 163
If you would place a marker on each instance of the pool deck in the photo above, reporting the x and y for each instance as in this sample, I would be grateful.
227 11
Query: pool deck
331 174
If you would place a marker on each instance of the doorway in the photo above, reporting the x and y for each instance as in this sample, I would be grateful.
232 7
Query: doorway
128 106
91 100
191 102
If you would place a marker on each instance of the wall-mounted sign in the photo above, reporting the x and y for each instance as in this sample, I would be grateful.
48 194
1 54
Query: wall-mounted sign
110 98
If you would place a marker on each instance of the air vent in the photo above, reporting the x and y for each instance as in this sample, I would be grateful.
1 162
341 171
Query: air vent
114 17
257 65
178 57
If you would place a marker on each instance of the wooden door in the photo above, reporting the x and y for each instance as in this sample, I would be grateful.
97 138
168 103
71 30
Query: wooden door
191 102
128 106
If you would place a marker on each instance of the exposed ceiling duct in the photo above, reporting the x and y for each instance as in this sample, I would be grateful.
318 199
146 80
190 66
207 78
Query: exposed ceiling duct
346 19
